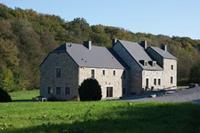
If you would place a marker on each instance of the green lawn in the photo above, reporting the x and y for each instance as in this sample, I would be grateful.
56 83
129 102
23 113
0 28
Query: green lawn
24 95
104 116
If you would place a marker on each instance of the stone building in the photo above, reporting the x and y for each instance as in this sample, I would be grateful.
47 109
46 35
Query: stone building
150 68
125 69
66 67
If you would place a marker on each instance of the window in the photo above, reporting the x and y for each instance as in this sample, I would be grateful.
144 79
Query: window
67 91
159 81
154 81
114 73
58 72
58 90
92 73
171 80
103 72
172 67
50 90
109 92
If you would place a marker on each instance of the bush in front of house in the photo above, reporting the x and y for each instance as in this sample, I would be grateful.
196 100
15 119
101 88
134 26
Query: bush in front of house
90 90
4 96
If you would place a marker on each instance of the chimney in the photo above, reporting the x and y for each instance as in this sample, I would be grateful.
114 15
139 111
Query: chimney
144 44
88 44
164 47
114 41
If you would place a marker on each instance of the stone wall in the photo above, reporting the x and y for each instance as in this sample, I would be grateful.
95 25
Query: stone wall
152 75
168 72
134 78
107 80
69 76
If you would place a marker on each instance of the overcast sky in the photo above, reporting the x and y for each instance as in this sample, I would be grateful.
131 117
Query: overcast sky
168 17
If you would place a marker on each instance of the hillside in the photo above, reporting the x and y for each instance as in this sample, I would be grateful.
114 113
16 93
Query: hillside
26 37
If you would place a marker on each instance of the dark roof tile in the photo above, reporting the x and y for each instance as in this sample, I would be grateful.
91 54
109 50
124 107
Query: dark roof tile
97 57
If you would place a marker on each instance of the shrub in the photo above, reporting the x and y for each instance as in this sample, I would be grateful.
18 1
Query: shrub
90 90
4 96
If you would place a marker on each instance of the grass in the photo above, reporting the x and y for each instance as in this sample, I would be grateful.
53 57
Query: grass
100 117
24 95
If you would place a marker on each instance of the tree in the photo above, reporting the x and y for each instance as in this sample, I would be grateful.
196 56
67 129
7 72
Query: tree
90 90
195 73
4 96
9 53
7 79
26 37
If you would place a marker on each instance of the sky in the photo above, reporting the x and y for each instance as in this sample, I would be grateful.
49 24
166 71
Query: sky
167 17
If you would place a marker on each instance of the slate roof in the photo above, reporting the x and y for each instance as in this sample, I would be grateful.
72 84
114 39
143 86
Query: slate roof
122 62
138 53
97 57
164 54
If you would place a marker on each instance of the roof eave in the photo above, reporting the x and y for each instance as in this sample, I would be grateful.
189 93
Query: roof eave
101 67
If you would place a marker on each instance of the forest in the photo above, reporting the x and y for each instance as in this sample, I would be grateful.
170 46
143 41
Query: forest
26 37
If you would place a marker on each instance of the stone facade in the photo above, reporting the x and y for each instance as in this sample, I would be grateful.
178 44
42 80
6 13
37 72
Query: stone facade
72 76
155 79
169 73
133 75
68 79
169 69
61 75
108 78
140 79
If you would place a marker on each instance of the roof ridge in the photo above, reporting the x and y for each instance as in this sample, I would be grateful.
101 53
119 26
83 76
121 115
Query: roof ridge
97 57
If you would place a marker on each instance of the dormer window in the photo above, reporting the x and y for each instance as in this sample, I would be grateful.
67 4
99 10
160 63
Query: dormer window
152 63
144 62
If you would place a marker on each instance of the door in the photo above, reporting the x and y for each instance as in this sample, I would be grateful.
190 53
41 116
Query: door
147 83
109 92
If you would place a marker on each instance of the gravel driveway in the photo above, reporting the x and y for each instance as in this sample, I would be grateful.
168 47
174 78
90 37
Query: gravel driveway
185 95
